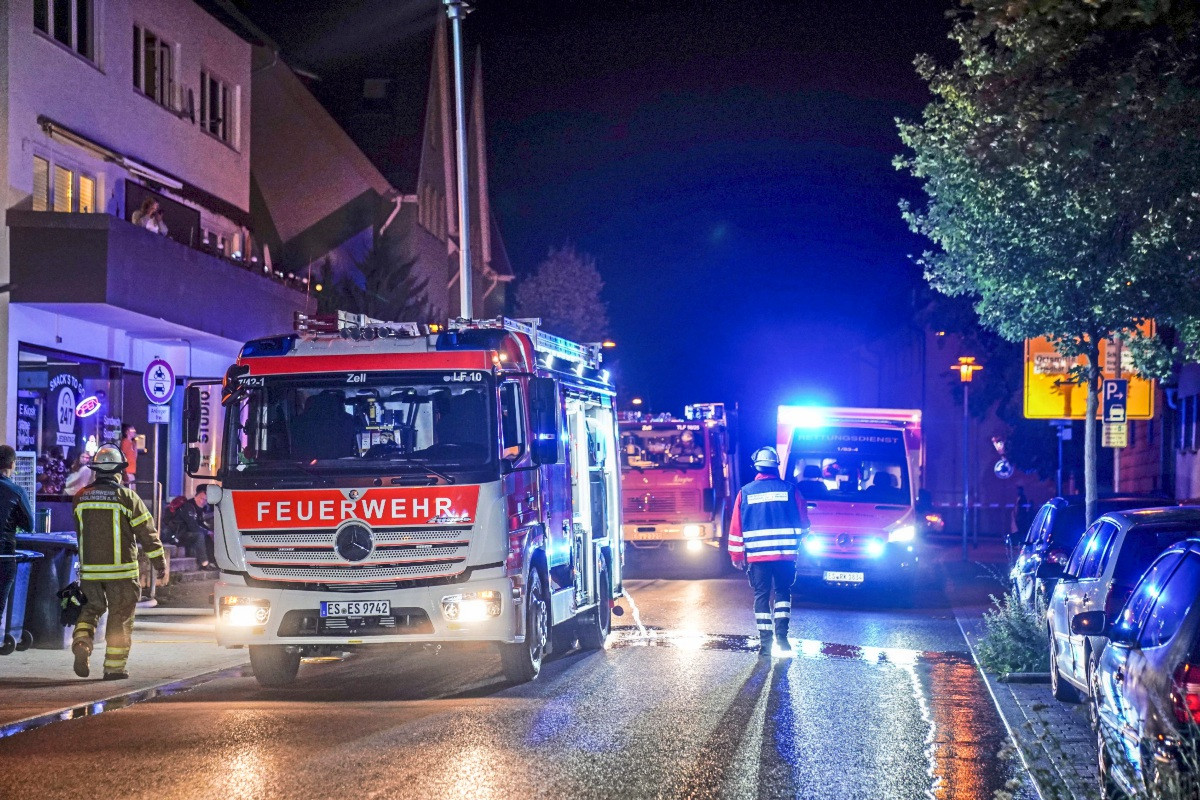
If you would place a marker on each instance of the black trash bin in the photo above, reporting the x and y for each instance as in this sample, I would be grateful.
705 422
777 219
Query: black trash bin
58 567
16 637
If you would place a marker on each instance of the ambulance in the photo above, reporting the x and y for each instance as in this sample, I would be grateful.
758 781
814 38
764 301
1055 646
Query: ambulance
859 470
389 483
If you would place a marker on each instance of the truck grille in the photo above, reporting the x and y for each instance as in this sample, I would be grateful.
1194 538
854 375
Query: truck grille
399 554
665 501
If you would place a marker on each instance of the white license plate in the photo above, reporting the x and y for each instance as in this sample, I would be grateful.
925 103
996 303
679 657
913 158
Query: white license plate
356 608
844 577
644 536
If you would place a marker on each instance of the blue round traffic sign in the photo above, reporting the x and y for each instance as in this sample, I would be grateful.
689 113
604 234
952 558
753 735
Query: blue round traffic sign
158 381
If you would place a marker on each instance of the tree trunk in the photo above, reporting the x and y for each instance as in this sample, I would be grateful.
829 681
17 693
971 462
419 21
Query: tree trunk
1089 429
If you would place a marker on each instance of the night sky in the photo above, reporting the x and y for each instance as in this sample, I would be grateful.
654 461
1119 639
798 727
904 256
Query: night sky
727 163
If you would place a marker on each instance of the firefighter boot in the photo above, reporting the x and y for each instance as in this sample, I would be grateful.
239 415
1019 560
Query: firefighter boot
765 642
781 637
82 649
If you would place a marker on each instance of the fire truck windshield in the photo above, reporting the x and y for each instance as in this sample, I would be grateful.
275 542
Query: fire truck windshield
679 446
850 464
363 422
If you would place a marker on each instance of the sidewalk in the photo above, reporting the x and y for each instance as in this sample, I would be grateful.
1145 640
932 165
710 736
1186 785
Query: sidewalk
1055 739
38 682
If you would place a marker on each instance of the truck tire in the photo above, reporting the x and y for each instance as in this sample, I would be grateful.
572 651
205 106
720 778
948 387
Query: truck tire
563 637
596 624
522 662
274 664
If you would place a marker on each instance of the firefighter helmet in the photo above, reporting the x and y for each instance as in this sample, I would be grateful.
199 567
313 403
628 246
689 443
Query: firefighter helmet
109 459
765 458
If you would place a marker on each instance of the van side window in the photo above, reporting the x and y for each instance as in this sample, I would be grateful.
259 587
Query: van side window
512 421
1175 599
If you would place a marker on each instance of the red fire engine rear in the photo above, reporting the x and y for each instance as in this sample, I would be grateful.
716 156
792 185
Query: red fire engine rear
679 477
384 483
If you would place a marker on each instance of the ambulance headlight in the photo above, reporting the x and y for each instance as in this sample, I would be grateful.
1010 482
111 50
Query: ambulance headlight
244 612
905 533
471 606
691 531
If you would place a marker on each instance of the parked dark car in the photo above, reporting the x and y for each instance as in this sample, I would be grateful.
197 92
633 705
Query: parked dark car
1103 569
1056 529
1146 686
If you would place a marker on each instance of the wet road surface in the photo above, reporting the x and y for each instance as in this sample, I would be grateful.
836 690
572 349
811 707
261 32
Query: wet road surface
879 702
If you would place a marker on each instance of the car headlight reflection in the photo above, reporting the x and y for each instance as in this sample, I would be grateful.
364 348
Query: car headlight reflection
471 606
244 612
905 533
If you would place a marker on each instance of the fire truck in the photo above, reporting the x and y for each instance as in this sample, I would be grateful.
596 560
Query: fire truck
859 470
388 483
680 478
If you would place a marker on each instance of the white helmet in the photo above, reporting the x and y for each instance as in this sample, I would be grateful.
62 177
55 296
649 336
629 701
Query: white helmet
765 458
109 459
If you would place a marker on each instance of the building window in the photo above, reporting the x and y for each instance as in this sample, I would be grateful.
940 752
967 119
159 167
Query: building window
69 22
153 67
216 107
41 184
57 188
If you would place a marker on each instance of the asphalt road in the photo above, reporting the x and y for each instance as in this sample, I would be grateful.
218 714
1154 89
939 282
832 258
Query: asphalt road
880 701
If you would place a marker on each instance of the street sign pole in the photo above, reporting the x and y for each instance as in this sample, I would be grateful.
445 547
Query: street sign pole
1117 450
966 470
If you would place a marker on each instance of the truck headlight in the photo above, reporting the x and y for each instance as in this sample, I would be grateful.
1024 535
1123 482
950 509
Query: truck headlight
471 606
691 531
875 548
905 533
244 612
813 546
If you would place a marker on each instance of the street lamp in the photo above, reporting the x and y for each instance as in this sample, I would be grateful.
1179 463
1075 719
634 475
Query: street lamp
967 368
637 401
608 344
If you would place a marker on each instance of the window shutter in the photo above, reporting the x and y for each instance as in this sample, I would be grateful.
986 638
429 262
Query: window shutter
41 184
63 189
87 195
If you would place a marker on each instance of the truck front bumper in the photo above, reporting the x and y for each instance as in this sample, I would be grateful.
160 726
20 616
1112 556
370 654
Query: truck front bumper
293 616
648 535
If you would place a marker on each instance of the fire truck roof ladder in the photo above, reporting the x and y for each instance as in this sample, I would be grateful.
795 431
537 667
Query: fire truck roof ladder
547 343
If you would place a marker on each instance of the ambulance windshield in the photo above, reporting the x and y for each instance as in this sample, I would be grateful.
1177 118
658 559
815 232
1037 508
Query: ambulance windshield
866 465
677 446
362 422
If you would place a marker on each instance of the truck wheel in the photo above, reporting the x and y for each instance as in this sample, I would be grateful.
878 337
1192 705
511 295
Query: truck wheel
595 625
522 662
274 664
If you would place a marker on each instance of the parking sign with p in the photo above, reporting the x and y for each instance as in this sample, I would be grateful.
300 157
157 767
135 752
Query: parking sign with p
1113 394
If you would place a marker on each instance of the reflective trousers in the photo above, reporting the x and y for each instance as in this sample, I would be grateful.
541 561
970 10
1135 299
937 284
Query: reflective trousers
772 578
119 598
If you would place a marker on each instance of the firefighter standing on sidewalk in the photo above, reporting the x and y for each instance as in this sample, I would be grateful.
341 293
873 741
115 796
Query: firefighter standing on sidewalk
769 517
111 521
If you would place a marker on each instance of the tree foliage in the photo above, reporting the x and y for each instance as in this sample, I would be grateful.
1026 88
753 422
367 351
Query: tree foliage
383 284
1061 162
564 292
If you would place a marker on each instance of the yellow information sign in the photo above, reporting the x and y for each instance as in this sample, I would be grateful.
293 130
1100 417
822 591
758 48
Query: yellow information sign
1114 434
1050 394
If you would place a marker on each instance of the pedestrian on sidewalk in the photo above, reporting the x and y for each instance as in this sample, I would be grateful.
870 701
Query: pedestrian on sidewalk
14 513
111 521
769 517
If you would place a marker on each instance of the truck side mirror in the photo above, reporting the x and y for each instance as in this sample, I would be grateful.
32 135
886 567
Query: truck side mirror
192 460
193 401
544 416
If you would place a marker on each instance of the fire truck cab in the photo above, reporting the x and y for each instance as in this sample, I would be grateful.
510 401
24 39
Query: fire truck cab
385 483
680 477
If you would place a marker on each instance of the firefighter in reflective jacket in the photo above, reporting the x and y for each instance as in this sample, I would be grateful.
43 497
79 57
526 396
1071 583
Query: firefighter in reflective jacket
769 517
111 521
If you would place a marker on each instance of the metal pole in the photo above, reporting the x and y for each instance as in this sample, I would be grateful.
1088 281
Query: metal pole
1117 450
966 470
456 10
1058 473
